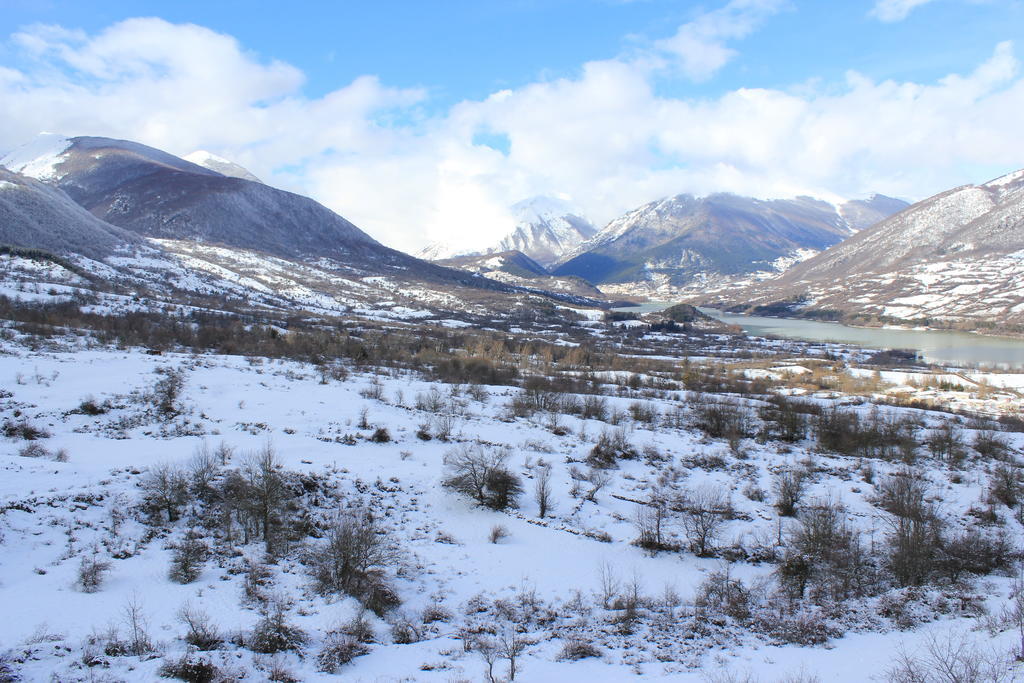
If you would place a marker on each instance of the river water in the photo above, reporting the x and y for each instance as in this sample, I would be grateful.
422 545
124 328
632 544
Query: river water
936 346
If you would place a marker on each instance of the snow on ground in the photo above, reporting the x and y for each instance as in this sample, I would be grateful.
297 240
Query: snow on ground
54 513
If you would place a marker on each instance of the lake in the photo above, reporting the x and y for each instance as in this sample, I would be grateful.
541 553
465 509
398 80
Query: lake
936 346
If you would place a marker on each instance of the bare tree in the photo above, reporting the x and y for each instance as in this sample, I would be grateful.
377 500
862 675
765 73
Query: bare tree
510 645
608 584
165 489
480 472
355 545
542 491
704 511
268 492
598 479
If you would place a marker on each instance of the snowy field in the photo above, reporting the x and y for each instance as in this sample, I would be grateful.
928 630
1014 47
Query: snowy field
573 576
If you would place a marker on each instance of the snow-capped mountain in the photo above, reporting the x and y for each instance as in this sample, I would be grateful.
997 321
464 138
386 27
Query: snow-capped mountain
684 239
148 219
958 255
546 228
220 165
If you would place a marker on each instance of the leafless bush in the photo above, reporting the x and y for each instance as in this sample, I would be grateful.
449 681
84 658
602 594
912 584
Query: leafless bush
165 490
1006 484
189 667
720 420
594 408
137 626
611 446
915 528
824 554
542 490
991 444
187 558
167 391
202 634
947 443
91 572
720 594
577 648
352 558
953 658
498 533
789 489
338 650
273 633
703 512
598 479
480 472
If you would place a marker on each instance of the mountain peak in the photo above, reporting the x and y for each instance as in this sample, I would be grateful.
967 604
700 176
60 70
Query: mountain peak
225 167
39 157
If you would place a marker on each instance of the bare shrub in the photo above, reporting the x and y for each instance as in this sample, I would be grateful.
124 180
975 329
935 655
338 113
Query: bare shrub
381 435
338 650
611 446
91 572
164 490
789 489
273 633
498 533
953 658
188 558
915 527
720 420
990 444
353 558
542 490
947 443
266 494
167 391
189 667
136 623
577 648
202 634
23 429
720 594
480 472
1006 484
703 512
824 554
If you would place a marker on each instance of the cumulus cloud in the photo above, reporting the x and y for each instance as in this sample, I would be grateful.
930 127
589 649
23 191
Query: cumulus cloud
895 10
700 45
605 137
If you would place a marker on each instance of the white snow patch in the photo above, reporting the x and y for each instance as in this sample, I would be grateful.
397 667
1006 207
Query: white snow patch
38 158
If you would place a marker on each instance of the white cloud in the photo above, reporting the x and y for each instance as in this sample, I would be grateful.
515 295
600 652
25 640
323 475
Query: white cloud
605 138
700 45
895 10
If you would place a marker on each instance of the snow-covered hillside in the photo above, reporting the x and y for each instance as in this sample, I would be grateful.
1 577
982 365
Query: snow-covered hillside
128 547
954 258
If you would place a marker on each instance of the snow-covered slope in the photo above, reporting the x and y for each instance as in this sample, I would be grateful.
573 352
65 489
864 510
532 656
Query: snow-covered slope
546 229
957 256
685 239
37 216
220 165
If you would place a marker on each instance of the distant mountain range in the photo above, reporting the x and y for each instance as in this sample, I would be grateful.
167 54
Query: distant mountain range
684 241
167 222
954 258
545 230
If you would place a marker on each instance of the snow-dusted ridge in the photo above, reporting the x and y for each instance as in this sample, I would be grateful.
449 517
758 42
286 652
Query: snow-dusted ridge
38 158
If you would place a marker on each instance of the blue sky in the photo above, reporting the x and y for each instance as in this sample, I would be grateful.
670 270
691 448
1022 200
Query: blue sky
463 108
